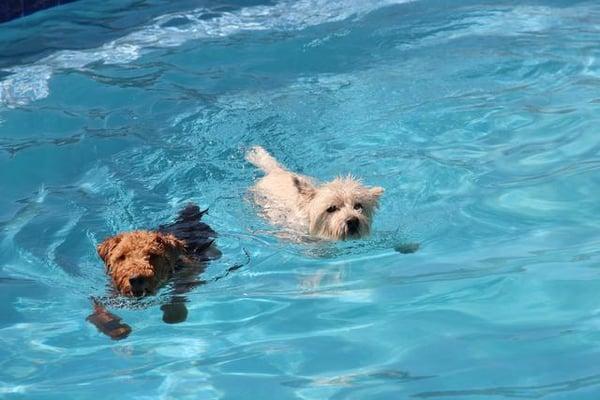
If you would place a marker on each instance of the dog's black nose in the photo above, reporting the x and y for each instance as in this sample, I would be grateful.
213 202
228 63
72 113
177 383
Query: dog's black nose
138 285
352 224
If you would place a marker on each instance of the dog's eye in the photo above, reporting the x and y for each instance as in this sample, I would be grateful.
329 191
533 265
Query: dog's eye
121 258
358 206
332 209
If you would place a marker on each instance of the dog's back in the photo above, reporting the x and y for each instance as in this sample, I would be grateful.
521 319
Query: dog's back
197 235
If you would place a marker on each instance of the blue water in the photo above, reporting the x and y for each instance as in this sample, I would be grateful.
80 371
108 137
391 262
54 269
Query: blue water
480 119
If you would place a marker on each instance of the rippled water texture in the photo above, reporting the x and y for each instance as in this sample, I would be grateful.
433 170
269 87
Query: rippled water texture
481 120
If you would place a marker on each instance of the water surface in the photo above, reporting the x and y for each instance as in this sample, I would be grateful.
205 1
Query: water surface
479 118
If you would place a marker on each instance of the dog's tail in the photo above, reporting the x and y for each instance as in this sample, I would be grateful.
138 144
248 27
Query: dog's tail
260 158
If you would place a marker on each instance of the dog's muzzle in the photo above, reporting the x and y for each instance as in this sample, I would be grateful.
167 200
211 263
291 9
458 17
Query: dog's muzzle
139 286
353 225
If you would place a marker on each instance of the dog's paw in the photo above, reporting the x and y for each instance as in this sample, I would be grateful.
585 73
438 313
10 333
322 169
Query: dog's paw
121 331
407 248
174 313
109 324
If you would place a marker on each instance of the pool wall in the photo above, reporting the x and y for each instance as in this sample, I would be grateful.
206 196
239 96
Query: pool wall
10 9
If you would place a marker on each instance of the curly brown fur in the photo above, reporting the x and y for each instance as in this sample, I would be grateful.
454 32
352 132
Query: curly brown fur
140 262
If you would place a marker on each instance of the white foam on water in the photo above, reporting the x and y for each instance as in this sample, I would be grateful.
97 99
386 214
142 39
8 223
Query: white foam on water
6 389
28 83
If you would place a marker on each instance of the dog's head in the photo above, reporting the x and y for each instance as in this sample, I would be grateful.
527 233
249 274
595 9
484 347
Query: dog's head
140 261
341 209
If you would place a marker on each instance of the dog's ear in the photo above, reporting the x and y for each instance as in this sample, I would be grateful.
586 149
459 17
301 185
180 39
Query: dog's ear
375 193
304 187
107 246
170 241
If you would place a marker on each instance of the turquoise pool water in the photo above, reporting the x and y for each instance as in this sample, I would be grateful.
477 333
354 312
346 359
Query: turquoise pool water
481 120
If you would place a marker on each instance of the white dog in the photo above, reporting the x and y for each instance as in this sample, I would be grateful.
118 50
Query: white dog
337 210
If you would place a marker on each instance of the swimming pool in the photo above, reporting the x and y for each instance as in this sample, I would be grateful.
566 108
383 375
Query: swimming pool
479 118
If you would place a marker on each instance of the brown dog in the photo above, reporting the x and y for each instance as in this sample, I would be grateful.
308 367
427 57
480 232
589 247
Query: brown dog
140 262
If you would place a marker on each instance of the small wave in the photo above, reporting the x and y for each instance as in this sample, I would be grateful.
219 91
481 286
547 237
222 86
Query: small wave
25 85
30 83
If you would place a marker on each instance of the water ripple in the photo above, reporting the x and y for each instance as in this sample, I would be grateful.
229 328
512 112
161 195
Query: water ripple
30 83
479 120
519 391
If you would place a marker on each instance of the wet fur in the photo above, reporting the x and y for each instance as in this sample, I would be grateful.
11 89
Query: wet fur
146 255
299 202
140 262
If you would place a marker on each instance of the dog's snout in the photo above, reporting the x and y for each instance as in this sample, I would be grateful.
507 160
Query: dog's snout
352 225
138 285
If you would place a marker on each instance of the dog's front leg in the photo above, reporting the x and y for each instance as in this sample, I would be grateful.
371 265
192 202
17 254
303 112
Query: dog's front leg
108 323
175 310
